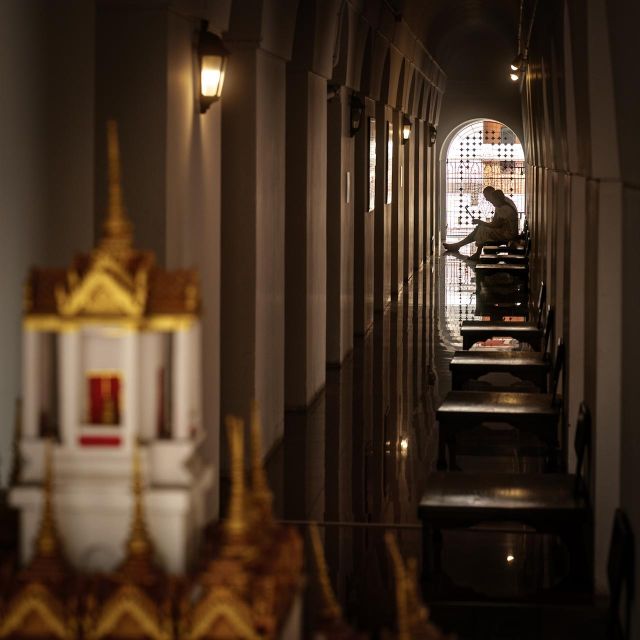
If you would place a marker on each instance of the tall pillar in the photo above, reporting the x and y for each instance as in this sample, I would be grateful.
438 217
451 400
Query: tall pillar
418 193
397 207
146 63
409 157
306 237
383 204
340 188
363 225
253 198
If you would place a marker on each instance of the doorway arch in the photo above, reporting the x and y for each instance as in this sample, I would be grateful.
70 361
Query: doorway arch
479 153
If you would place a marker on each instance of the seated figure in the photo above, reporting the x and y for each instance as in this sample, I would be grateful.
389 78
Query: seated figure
502 228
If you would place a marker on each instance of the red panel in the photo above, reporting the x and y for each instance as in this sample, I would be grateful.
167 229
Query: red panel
99 441
103 391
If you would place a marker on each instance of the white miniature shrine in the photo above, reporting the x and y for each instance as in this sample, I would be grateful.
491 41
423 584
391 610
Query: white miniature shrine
111 355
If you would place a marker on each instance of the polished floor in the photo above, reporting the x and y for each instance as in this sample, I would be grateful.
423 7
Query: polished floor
358 461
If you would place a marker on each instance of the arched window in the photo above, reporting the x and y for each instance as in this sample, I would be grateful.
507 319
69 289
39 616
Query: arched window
483 153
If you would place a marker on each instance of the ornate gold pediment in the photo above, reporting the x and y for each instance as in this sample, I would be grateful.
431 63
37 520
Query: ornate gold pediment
102 292
34 612
129 613
220 615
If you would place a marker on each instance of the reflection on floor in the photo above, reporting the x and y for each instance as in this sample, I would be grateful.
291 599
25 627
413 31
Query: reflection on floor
358 461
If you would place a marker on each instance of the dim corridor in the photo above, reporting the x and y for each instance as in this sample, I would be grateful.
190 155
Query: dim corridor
359 459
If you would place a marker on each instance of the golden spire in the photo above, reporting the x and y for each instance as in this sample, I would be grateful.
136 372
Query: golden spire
139 544
118 231
402 613
331 609
47 543
260 487
236 525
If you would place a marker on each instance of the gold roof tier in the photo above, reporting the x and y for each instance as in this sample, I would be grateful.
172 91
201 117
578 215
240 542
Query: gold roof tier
246 590
115 282
412 614
43 602
136 600
330 623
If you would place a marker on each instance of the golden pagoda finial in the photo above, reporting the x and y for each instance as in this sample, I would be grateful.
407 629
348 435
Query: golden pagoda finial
139 543
402 613
47 543
236 525
118 231
331 609
260 487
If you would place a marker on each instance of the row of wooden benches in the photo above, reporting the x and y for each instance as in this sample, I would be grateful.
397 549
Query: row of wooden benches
552 502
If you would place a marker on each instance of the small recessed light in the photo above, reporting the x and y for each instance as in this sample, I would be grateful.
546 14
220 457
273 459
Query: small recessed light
510 558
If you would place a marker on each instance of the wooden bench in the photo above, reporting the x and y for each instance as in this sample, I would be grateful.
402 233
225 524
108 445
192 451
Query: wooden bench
549 503
529 366
502 256
488 303
529 332
516 272
536 413
498 303
532 366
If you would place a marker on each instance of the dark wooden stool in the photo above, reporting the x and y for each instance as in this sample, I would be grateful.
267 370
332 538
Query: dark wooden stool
508 304
529 332
530 366
549 503
536 413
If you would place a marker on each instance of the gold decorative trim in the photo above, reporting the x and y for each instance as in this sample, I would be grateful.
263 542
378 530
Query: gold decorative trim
34 599
161 323
331 609
128 600
220 604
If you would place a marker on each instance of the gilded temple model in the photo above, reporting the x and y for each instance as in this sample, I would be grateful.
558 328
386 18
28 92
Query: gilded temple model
112 354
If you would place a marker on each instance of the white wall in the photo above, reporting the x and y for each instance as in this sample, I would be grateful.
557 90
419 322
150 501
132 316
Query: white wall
46 182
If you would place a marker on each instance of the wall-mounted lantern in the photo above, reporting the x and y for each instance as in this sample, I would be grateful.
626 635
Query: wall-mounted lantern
357 108
433 134
212 57
406 129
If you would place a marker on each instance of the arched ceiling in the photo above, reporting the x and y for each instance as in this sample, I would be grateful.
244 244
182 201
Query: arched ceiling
451 28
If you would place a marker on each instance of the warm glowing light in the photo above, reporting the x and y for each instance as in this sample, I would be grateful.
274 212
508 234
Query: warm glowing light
514 66
514 76
211 77
406 131
404 445
510 558
212 57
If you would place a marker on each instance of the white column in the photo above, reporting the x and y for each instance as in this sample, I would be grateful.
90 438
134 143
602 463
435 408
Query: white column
130 401
180 384
70 386
31 348
195 339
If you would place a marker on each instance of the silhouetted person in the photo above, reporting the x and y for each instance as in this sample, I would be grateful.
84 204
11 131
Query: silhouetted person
502 228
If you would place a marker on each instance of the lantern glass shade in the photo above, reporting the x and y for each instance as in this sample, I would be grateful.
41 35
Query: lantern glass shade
406 131
212 57
357 108
212 75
